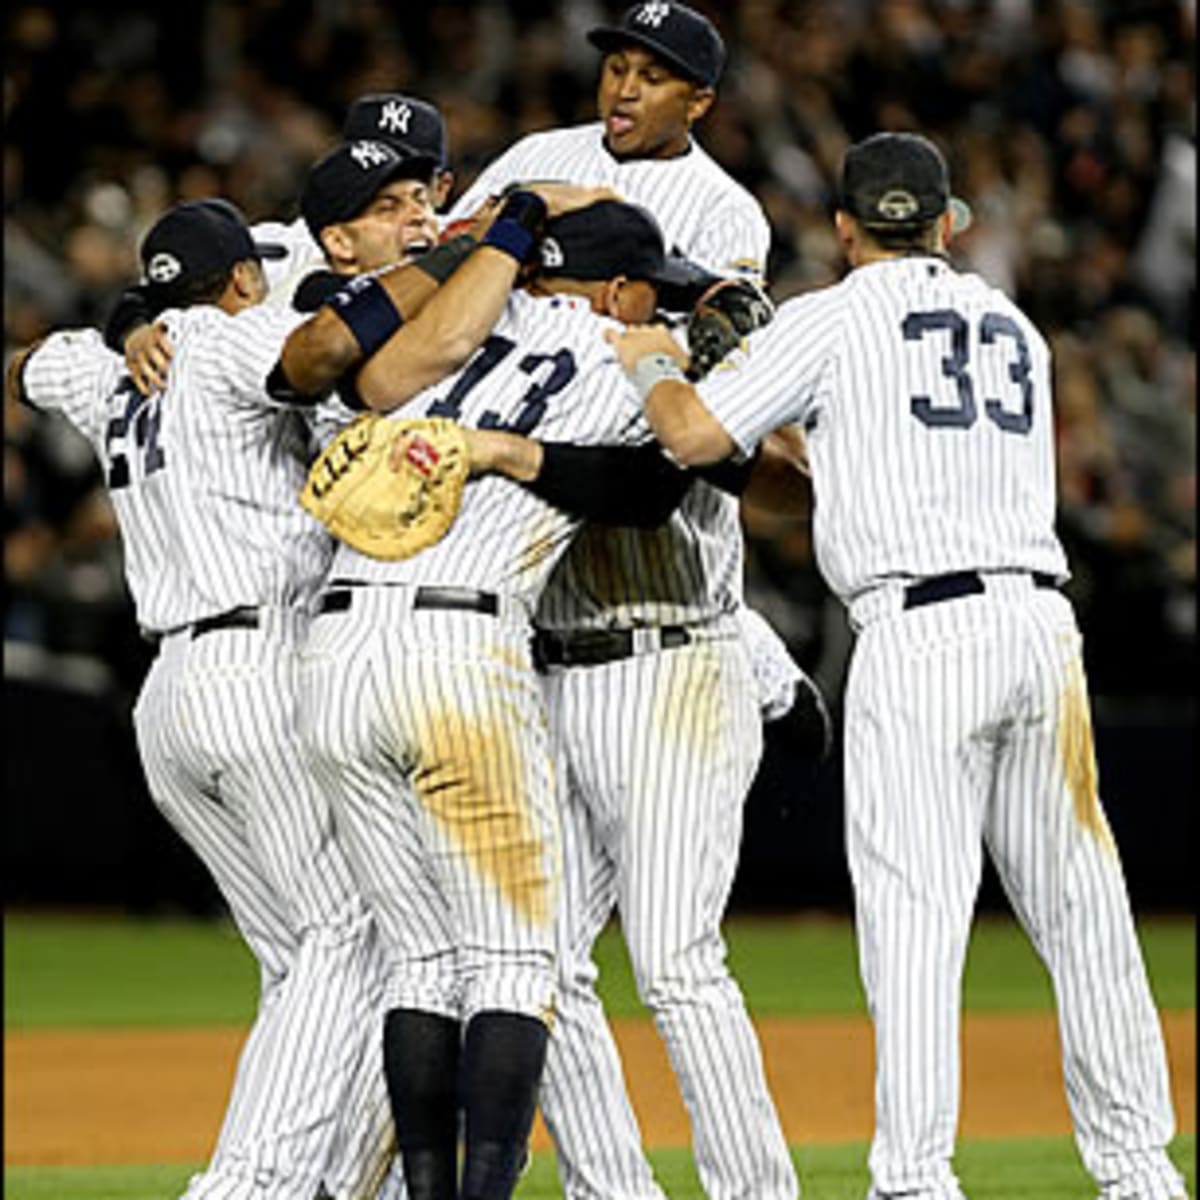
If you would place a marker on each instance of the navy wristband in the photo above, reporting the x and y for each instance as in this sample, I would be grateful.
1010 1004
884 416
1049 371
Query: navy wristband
517 225
367 309
510 237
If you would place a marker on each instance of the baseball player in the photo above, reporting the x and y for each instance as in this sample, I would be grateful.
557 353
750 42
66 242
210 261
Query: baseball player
655 790
925 399
421 702
221 563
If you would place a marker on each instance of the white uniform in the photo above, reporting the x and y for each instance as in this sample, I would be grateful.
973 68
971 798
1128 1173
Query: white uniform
660 747
203 478
428 716
925 397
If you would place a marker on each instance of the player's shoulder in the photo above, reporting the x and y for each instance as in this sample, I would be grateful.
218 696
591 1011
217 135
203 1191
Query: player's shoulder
719 181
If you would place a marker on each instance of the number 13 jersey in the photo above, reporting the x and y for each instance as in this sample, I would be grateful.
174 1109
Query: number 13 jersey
941 387
545 371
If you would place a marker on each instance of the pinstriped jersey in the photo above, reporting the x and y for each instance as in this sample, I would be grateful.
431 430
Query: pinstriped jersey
925 399
703 212
690 569
204 476
545 371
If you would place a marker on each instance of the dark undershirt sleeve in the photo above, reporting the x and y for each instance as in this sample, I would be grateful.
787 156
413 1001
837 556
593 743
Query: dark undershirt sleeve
625 485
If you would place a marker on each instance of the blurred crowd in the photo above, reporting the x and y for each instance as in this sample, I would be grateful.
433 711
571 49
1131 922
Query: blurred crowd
1070 128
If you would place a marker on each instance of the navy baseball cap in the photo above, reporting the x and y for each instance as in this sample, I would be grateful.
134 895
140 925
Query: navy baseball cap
683 38
607 239
412 126
349 177
194 241
898 181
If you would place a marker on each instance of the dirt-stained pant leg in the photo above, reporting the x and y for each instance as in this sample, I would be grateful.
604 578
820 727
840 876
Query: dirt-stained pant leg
663 748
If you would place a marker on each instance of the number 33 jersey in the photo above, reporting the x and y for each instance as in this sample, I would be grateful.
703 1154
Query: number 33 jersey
204 475
925 400
547 372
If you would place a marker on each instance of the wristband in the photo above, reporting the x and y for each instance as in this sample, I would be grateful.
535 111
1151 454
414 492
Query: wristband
517 225
442 261
653 368
367 309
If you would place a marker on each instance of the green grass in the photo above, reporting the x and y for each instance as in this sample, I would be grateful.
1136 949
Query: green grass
73 971
1031 1169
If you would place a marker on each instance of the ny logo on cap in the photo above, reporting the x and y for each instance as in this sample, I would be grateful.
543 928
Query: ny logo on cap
369 154
163 267
395 116
653 14
551 253
897 205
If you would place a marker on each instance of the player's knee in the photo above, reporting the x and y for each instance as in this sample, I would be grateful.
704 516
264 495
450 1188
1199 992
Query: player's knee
684 976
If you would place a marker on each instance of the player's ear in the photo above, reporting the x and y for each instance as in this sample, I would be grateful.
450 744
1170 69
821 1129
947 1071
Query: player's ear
846 228
337 245
247 281
443 181
700 102
607 300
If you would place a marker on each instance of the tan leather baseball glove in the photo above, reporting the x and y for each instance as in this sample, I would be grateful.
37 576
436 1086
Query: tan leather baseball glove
389 488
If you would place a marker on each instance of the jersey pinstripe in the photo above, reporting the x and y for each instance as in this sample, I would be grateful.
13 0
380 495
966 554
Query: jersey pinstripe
704 213
203 475
689 570
915 378
547 370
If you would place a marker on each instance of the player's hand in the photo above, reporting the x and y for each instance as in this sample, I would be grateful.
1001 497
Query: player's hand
148 353
477 224
563 198
637 340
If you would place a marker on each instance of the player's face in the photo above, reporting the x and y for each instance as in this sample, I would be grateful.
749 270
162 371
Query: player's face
397 224
646 108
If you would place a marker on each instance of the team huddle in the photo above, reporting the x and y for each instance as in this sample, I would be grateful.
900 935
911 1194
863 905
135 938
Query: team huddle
424 781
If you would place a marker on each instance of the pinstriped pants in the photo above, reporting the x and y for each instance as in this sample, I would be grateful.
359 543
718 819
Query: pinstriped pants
660 751
967 724
217 727
429 730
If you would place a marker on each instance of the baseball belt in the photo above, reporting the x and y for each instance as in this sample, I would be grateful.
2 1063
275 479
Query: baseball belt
959 583
454 598
592 647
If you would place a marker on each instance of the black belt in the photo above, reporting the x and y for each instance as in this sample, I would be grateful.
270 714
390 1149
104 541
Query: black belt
960 583
591 647
235 618
462 599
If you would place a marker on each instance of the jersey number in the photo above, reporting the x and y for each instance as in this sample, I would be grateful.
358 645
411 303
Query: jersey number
144 417
532 403
992 327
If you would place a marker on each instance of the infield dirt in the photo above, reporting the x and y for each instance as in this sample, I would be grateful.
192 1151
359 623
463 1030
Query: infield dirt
148 1096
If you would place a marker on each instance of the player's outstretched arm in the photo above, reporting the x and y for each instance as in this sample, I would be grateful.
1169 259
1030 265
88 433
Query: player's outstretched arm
611 485
688 431
453 324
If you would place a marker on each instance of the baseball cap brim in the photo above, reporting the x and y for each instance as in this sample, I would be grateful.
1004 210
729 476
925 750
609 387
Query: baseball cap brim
608 40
